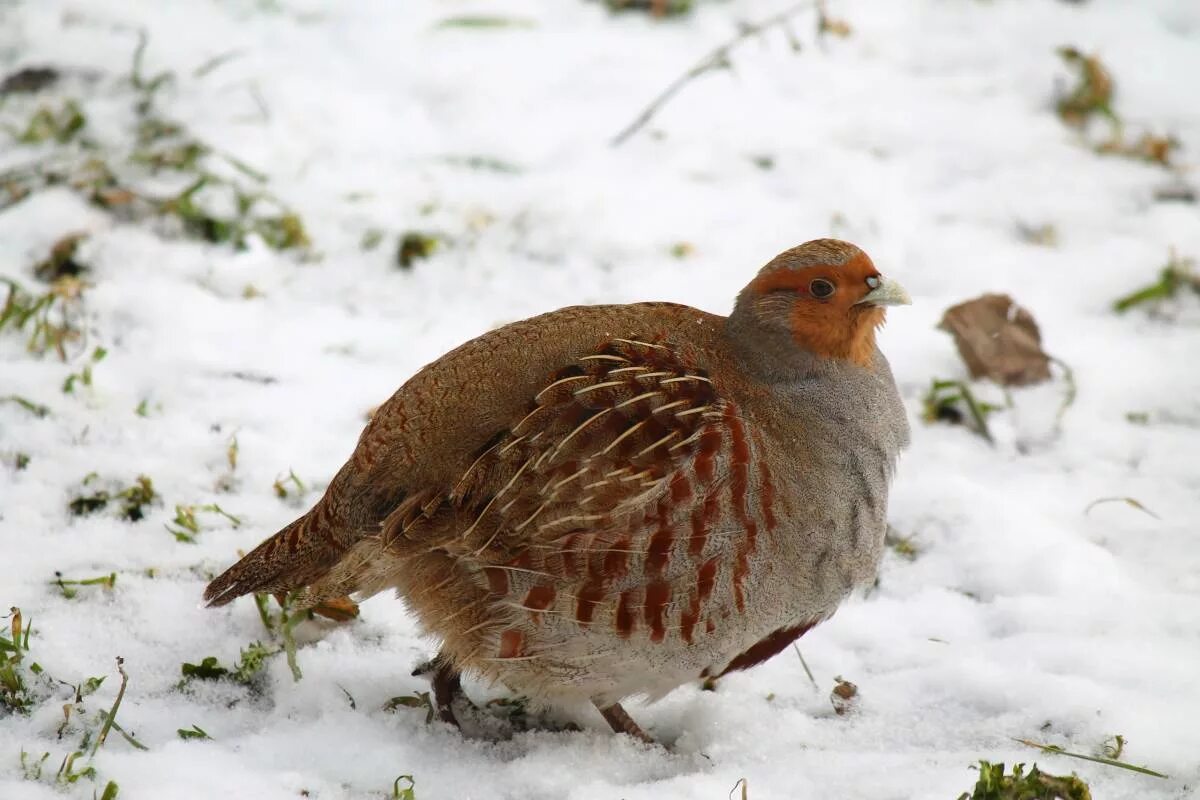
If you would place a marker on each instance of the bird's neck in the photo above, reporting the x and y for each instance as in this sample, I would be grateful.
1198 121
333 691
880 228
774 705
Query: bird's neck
773 353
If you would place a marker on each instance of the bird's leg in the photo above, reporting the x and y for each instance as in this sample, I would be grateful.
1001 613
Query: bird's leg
620 721
447 687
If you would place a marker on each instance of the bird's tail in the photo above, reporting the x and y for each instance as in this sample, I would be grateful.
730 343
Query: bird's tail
295 557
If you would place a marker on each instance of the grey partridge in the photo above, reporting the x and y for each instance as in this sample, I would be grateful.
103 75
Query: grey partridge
607 501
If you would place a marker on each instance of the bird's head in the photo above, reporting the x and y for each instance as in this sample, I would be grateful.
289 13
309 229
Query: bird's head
826 295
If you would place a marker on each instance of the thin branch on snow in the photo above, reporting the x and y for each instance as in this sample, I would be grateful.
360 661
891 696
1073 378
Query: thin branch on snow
717 59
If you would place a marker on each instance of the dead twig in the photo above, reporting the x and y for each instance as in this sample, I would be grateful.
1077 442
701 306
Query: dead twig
1112 762
804 664
717 59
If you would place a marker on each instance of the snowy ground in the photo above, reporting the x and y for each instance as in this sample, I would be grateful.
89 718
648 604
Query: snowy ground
926 136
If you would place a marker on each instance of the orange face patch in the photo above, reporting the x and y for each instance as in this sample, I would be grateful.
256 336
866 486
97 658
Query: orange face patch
828 323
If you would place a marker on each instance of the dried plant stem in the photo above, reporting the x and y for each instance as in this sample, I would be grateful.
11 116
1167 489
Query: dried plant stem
717 59
804 664
1112 762
111 717
1070 394
1129 501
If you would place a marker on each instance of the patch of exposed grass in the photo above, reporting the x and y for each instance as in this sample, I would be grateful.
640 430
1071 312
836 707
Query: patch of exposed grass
16 694
32 770
48 123
251 661
69 586
281 485
93 729
185 526
513 710
414 700
164 145
657 8
253 657
994 784
37 409
485 22
953 402
67 774
209 669
144 86
1092 98
903 546
408 792
132 499
256 213
84 376
194 732
109 174
484 164
50 320
415 246
1178 275
371 238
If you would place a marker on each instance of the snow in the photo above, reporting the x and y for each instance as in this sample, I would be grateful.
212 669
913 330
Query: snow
925 136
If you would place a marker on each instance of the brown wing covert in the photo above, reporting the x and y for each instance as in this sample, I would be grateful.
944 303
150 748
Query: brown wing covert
598 444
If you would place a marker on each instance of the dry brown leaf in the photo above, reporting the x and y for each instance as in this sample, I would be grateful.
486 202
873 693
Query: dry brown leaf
998 339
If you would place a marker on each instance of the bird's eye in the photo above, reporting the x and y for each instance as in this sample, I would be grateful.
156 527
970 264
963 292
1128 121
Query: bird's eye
873 282
820 288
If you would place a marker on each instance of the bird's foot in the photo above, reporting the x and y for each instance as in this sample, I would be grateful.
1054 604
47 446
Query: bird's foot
447 687
450 701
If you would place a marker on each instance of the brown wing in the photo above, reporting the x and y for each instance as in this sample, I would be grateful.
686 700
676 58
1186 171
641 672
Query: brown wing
598 447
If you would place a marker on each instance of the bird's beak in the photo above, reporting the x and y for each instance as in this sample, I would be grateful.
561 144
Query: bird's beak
887 293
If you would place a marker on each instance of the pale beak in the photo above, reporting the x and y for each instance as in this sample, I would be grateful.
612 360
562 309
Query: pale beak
887 293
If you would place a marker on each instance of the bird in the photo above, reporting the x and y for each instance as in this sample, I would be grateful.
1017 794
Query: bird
611 501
